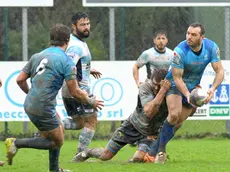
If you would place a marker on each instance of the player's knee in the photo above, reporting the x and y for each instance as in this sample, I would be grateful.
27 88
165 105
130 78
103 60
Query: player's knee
173 118
91 123
174 115
107 155
58 144
79 125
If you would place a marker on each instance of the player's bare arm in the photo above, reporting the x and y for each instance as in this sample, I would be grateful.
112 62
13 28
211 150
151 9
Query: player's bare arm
96 74
21 81
136 75
152 107
0 82
218 68
177 76
82 95
76 92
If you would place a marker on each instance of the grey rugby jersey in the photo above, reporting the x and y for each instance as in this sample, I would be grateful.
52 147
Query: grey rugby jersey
138 118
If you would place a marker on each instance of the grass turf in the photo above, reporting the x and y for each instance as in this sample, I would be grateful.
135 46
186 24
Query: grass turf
199 155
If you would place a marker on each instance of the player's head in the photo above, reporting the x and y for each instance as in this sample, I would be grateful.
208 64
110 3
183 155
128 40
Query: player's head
59 35
195 34
157 76
160 40
81 25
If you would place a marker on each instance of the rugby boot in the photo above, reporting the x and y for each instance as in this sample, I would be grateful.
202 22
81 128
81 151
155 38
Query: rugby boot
161 158
11 150
80 157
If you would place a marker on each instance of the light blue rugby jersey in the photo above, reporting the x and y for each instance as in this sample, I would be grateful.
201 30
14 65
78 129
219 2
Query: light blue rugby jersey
192 64
78 50
55 66
154 59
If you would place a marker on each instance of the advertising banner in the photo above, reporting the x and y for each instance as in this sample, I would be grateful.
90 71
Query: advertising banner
154 3
116 88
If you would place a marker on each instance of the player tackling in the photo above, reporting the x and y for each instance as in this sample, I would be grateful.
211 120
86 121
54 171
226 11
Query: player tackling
142 126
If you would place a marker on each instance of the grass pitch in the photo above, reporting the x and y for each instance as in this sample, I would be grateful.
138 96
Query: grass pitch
212 155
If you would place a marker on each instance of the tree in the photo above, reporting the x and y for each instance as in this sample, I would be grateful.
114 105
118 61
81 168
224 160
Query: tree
139 25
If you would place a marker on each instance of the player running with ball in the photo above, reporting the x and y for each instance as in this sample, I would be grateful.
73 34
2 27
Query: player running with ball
191 57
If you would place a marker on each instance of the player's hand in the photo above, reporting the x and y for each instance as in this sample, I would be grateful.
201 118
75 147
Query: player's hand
97 104
139 84
209 97
165 84
188 99
0 82
96 74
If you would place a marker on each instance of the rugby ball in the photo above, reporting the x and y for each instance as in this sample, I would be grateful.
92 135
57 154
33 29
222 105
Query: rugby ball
198 96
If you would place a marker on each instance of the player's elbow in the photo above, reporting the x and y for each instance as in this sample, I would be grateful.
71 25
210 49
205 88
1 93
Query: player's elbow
151 109
20 81
22 77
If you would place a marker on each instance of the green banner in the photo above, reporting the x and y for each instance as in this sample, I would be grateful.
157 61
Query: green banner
219 111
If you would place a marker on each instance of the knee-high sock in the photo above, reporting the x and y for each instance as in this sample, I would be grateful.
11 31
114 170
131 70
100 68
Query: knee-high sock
155 144
53 159
37 143
85 139
166 134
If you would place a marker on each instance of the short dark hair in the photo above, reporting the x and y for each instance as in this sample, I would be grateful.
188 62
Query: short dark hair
161 32
159 74
77 16
196 24
59 35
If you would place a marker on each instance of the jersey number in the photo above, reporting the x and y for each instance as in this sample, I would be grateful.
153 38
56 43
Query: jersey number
41 67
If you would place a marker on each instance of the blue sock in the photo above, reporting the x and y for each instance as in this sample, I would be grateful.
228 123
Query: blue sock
154 147
53 159
167 132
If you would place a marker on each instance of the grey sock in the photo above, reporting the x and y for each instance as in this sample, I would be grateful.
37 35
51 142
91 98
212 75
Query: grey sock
85 139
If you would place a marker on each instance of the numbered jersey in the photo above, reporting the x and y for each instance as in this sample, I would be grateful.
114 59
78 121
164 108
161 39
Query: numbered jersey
154 59
192 64
47 71
80 54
